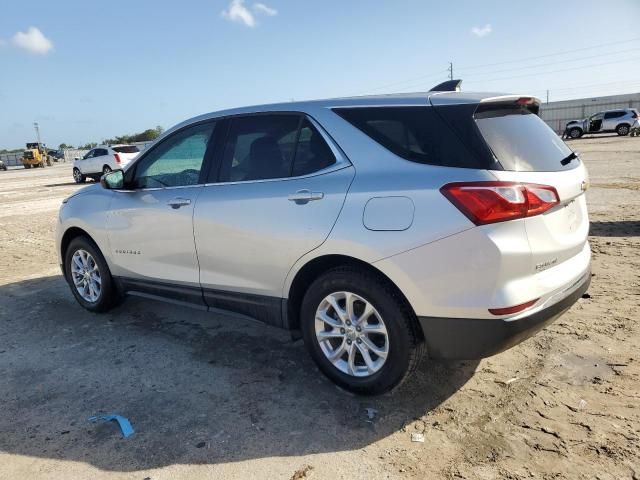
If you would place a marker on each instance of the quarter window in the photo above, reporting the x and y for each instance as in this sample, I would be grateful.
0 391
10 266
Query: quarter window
176 161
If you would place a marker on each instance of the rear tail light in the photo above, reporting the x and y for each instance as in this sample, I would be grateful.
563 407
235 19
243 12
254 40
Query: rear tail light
491 202
117 157
514 309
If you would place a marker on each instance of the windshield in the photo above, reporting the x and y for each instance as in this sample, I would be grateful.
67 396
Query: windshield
522 142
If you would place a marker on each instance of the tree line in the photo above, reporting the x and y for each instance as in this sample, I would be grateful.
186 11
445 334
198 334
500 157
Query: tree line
147 136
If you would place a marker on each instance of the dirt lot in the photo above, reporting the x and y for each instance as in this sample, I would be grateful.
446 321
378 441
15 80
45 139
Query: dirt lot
217 397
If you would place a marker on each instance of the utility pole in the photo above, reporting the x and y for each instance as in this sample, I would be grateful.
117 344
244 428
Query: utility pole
547 96
450 70
35 125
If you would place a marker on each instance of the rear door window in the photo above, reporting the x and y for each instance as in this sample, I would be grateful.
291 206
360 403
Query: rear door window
613 115
312 153
259 147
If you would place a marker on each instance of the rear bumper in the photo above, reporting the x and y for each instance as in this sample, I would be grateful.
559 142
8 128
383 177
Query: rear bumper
470 338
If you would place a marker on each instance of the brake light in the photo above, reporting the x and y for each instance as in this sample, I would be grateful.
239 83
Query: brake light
117 157
491 202
514 309
525 101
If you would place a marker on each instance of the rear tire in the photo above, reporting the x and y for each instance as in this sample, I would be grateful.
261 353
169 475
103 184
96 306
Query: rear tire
27 166
106 169
575 133
84 266
400 346
622 130
78 177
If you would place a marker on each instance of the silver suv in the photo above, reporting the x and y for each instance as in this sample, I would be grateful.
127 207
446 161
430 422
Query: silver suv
380 229
618 121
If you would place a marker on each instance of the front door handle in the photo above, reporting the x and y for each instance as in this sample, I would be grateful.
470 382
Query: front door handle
176 203
305 196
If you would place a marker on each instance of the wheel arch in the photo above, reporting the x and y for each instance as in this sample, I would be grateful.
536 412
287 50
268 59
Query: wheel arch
67 238
316 267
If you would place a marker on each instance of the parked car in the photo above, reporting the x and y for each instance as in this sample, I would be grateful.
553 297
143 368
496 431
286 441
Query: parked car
618 121
101 160
56 155
3 166
380 229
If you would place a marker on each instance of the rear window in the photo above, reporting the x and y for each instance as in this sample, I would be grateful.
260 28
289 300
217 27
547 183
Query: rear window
521 141
126 149
416 133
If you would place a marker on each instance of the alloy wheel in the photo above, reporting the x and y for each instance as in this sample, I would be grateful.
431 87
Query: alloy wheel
351 334
86 276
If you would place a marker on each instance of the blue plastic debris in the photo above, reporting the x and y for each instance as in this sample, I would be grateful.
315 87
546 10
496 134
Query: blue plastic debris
125 425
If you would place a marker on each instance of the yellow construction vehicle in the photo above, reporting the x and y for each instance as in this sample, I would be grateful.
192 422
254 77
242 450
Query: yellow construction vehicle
35 155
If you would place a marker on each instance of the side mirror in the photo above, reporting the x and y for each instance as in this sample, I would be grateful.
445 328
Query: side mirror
113 180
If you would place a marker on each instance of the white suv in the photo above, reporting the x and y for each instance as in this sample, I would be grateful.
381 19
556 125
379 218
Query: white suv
380 229
101 160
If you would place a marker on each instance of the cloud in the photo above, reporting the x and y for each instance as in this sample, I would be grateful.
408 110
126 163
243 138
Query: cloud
32 41
482 31
262 8
238 12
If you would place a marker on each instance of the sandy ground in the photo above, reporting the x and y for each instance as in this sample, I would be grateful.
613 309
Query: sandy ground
216 397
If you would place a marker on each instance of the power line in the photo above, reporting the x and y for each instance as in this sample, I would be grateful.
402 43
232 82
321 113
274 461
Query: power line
577 59
559 70
563 52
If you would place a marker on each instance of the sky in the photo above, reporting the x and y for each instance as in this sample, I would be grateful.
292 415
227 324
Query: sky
86 70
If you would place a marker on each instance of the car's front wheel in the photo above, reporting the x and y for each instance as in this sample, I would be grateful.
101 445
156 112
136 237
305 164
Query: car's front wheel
88 276
78 177
359 331
622 130
575 132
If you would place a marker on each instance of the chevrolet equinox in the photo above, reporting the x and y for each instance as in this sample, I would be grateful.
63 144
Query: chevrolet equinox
380 229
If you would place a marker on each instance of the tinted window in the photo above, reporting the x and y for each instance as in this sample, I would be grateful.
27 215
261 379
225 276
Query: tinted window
312 152
259 147
613 114
418 134
126 149
89 154
521 141
99 152
176 161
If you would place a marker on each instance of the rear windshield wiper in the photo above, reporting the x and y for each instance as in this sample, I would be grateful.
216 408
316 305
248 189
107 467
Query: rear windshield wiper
568 158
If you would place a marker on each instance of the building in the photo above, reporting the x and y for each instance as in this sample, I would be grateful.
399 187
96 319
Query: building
557 114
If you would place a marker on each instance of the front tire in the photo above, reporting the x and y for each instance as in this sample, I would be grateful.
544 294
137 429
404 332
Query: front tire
575 133
622 130
88 276
78 177
359 331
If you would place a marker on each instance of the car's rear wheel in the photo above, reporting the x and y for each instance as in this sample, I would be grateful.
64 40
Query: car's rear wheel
78 177
359 331
88 276
106 169
27 166
575 133
622 130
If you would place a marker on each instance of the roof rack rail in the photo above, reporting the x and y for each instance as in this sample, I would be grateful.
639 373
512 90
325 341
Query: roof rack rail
448 86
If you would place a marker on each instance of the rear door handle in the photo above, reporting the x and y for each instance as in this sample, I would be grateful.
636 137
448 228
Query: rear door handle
305 196
176 203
